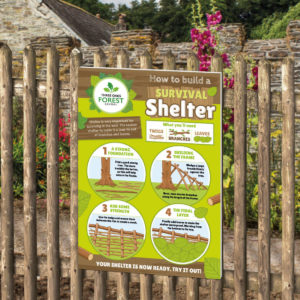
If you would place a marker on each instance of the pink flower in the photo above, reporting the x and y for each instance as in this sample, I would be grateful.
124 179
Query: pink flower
204 58
225 127
61 159
194 34
212 42
255 87
226 81
231 83
205 36
214 19
42 138
61 123
255 71
203 68
226 59
231 119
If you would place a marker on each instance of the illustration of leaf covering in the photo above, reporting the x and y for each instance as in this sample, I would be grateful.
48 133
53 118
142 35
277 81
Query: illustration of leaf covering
181 250
202 139
110 89
83 201
212 91
81 121
201 212
212 268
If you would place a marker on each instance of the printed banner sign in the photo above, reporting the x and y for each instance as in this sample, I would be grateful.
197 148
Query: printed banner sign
149 172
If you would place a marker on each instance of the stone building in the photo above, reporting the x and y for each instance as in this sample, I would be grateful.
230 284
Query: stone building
25 20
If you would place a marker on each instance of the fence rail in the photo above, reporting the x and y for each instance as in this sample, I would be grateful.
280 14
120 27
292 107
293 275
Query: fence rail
116 242
30 89
171 235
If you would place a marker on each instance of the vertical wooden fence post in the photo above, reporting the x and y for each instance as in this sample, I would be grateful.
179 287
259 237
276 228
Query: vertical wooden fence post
146 279
75 272
192 62
217 285
192 288
192 284
240 133
169 288
99 58
146 60
123 280
169 62
7 212
100 285
288 179
100 276
123 286
30 238
264 106
53 261
123 59
169 282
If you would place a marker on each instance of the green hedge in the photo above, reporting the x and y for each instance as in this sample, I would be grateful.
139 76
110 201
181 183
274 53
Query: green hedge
275 25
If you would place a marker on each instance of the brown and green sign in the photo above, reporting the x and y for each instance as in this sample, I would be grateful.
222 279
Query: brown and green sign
149 161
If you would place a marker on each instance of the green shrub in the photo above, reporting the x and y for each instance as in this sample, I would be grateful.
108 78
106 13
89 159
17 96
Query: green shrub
41 155
275 25
252 173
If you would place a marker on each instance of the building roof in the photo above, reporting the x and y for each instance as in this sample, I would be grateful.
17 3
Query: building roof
92 30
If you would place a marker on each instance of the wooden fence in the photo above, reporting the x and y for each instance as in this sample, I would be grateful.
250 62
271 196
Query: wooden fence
115 242
30 89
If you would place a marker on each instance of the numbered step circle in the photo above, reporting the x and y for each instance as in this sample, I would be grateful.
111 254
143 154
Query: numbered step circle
180 175
116 229
178 235
116 171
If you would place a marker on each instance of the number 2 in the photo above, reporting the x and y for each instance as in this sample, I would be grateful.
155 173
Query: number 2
169 154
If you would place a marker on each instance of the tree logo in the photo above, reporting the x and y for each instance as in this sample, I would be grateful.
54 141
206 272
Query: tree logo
111 94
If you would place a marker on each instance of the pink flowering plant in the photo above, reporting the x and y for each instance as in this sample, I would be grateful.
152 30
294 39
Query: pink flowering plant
64 161
205 36
41 157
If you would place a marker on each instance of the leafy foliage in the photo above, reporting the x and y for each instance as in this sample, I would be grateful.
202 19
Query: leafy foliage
171 19
252 173
41 154
106 11
274 26
254 12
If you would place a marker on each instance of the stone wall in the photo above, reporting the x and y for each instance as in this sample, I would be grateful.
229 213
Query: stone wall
23 20
135 42
64 45
232 40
